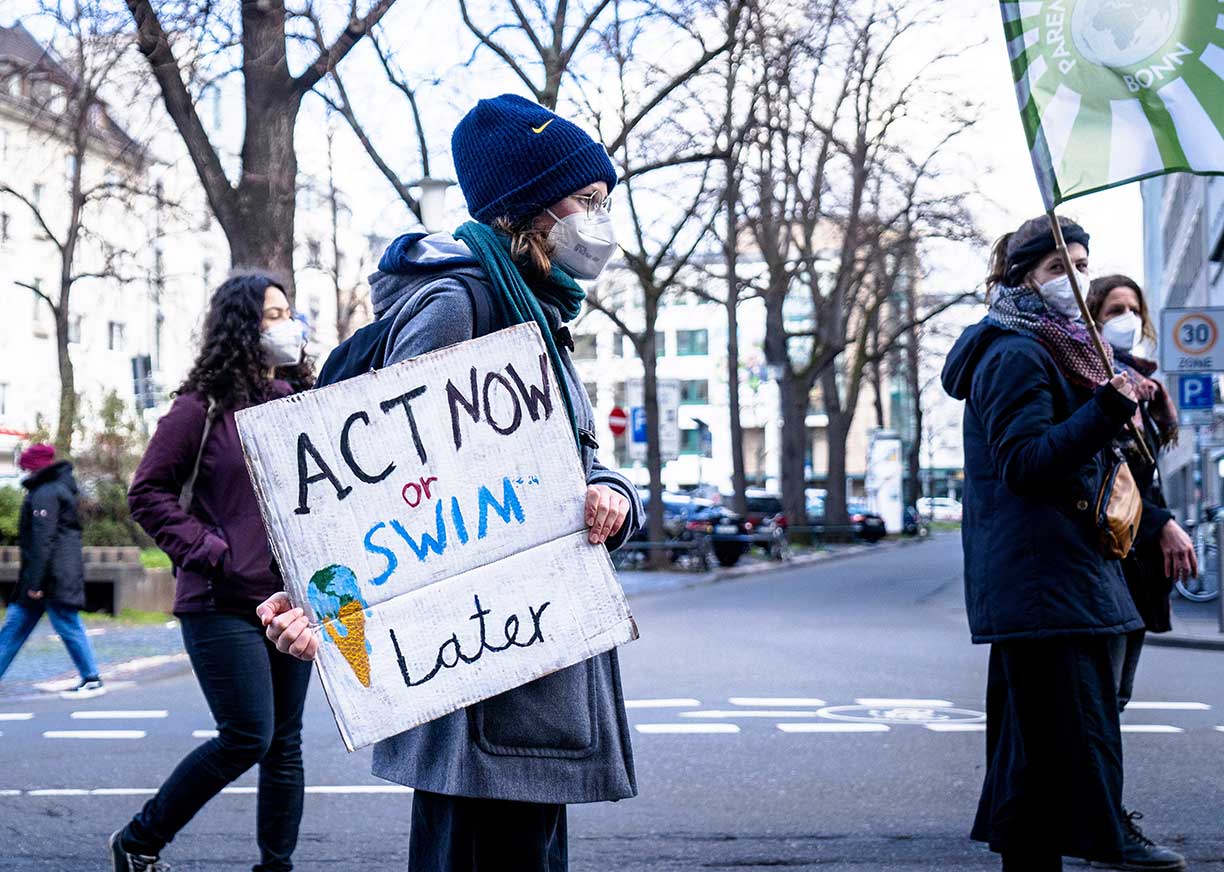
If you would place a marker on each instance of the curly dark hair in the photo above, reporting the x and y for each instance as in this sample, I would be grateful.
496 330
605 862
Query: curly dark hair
230 367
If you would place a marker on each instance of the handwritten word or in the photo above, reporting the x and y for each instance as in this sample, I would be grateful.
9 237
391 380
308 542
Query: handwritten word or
419 490
452 646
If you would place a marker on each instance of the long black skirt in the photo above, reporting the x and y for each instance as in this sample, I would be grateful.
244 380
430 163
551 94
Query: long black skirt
461 834
1053 750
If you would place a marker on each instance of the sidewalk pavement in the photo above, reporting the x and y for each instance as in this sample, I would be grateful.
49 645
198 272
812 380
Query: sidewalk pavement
1195 625
122 649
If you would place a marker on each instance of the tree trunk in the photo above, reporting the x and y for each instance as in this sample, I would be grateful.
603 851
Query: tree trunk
654 453
267 195
68 398
739 478
913 380
836 434
795 445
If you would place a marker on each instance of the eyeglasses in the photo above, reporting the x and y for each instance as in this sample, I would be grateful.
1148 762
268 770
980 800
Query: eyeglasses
593 203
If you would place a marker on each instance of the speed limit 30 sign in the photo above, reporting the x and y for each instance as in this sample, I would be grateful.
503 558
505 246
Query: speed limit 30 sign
1190 340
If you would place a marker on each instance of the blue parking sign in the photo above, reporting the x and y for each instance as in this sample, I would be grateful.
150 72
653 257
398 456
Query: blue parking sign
1195 392
637 424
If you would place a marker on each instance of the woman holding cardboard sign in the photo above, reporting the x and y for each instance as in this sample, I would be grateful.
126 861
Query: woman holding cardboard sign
191 493
492 781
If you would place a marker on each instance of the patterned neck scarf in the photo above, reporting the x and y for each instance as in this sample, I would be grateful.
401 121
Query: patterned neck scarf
1022 310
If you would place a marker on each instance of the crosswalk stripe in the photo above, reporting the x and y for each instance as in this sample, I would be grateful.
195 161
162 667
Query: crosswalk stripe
16 716
1168 706
59 792
204 734
952 727
875 702
123 791
359 788
780 701
687 728
661 703
1150 728
833 728
94 734
750 713
143 714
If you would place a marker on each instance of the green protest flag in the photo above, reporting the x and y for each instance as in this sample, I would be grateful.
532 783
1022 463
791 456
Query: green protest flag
1113 91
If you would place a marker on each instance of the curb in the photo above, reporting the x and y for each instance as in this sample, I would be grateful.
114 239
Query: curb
117 676
753 569
1185 640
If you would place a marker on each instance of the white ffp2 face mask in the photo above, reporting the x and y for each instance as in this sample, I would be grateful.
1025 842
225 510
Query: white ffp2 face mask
282 343
1060 296
1122 332
582 244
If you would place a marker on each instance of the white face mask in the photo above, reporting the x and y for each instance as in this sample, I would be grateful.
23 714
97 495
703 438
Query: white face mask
582 244
1122 332
1059 296
282 343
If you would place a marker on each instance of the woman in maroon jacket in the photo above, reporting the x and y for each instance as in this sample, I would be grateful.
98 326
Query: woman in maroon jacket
191 493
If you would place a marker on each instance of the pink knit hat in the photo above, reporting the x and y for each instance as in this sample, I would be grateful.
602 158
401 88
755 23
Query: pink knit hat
37 457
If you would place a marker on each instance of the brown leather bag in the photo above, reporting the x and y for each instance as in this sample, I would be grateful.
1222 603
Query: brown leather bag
1118 510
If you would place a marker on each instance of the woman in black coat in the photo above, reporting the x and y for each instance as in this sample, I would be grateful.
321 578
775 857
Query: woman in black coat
1163 551
52 578
1041 417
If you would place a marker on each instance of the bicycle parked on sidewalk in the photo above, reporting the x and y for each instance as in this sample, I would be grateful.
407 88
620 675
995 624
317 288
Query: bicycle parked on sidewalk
1205 586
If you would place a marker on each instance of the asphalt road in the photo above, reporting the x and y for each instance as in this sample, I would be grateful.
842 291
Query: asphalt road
745 758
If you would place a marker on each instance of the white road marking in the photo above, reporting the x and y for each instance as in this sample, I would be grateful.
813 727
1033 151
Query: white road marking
58 792
883 702
661 703
94 734
750 713
687 728
1169 706
204 734
953 727
96 631
10 793
239 790
16 716
780 701
1150 728
359 788
117 715
833 728
1218 729
123 791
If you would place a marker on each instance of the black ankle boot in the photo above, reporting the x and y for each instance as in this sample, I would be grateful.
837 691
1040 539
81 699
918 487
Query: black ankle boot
1018 862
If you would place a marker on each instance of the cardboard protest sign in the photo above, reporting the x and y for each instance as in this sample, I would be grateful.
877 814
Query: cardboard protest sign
430 517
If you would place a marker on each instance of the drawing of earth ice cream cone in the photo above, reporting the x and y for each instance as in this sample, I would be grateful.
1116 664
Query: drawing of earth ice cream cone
337 603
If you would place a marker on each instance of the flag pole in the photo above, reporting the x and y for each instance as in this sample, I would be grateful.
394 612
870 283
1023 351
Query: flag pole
1061 245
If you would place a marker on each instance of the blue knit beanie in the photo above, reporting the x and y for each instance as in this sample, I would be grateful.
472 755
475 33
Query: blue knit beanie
513 158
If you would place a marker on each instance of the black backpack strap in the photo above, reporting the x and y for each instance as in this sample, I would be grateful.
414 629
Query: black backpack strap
483 320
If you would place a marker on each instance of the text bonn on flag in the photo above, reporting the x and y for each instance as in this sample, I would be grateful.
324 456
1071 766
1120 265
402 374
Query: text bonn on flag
1112 91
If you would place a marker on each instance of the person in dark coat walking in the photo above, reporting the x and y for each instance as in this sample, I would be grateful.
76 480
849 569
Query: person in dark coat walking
192 494
1042 414
52 578
492 781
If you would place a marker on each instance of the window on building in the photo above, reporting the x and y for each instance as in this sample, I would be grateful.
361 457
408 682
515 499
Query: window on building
618 395
206 270
692 343
115 336
4 389
584 346
618 345
690 441
4 227
74 328
36 193
592 391
695 392
660 344
314 253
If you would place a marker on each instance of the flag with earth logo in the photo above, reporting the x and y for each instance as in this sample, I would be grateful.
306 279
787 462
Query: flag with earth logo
1112 91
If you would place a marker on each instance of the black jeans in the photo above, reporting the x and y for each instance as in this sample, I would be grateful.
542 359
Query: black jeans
256 695
1124 652
460 834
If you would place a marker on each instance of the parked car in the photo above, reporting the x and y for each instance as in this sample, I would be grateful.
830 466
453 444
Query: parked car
941 508
766 522
711 528
914 523
865 525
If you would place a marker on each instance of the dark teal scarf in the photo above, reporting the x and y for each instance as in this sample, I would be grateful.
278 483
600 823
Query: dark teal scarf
518 302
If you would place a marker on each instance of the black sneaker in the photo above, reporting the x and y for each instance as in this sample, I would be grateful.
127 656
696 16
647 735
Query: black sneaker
122 861
1141 853
88 687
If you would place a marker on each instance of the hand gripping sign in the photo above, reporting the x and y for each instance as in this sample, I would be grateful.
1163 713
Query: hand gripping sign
429 518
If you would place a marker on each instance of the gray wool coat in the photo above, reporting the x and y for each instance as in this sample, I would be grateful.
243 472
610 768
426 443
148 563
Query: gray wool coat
563 738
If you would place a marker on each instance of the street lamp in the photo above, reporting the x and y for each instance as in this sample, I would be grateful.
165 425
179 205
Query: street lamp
432 201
